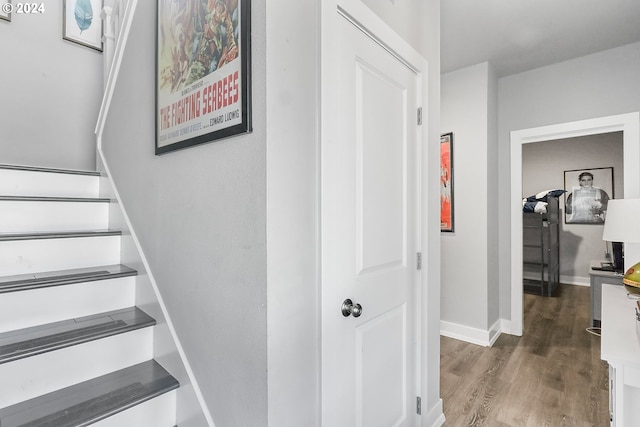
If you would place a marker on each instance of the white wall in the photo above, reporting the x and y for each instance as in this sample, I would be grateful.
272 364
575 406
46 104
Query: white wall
543 166
50 93
200 216
466 265
493 277
293 316
603 84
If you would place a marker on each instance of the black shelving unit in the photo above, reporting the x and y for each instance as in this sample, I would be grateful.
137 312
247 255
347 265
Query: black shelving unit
541 250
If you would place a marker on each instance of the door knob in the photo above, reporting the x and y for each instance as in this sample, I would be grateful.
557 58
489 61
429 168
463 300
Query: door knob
349 308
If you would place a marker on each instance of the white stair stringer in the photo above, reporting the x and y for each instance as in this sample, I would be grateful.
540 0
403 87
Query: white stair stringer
65 338
192 409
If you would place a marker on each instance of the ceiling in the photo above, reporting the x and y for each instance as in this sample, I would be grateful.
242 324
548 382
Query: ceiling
519 35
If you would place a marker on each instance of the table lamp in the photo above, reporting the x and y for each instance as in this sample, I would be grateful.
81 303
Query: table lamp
622 224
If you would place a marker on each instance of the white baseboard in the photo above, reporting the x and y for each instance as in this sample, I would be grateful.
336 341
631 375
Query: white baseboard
568 280
502 326
435 416
472 335
575 280
505 326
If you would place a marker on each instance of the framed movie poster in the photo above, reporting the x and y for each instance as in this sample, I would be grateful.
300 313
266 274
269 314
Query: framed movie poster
81 22
446 182
203 85
587 194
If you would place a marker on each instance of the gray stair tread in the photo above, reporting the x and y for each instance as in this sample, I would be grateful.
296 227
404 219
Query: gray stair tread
58 235
54 199
53 336
63 277
50 170
93 400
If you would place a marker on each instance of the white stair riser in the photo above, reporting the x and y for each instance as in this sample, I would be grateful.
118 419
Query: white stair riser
157 412
38 255
33 216
24 309
30 183
37 375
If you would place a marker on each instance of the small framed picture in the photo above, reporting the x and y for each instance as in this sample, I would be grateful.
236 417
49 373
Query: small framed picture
587 194
5 10
81 22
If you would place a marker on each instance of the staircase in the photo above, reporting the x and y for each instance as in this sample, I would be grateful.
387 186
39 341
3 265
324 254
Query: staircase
74 348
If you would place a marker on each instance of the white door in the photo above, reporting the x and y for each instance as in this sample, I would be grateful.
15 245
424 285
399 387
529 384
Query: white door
369 238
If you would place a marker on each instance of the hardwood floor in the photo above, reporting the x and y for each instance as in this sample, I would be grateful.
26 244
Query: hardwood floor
552 376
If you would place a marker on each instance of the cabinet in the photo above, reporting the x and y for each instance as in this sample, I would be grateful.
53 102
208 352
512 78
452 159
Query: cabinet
620 347
541 250
597 279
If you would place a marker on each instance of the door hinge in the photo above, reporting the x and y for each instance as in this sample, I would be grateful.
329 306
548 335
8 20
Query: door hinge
419 259
418 405
419 115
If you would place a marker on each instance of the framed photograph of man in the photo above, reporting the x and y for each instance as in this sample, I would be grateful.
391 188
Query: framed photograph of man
203 69
587 194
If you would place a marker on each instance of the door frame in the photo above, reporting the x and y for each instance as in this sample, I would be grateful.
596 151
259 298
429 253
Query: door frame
629 124
428 231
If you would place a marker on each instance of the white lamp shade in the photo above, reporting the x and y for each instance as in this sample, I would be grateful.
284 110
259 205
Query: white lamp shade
622 223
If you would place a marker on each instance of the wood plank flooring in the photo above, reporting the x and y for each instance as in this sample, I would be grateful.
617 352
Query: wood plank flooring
551 376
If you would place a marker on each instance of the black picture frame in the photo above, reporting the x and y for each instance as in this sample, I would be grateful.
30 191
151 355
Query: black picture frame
588 192
203 72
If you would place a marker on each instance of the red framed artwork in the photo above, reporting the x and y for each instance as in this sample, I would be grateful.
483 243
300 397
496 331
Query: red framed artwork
446 182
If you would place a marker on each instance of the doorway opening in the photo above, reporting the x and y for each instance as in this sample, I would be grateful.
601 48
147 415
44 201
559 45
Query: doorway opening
628 124
560 244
